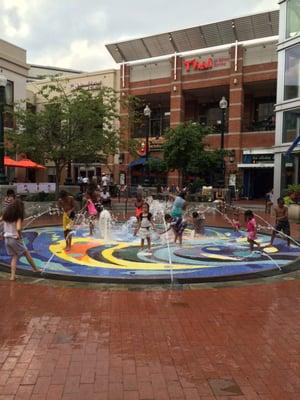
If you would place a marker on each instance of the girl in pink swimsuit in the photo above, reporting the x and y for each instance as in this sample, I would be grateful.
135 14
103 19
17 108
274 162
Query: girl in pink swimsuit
251 229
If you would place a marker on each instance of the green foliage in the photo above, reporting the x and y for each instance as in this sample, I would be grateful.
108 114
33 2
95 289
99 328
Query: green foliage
157 165
196 185
79 125
293 189
185 150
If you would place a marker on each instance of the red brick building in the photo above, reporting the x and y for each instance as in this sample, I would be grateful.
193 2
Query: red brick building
184 74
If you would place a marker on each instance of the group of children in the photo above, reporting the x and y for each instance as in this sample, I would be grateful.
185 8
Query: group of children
174 220
13 216
178 225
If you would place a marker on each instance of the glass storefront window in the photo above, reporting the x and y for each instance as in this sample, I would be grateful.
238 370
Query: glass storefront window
291 125
293 18
292 73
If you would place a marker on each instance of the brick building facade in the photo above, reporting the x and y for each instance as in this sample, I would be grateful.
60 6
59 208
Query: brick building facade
188 87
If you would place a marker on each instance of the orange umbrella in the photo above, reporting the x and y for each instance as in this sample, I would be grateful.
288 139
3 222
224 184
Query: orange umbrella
26 163
9 162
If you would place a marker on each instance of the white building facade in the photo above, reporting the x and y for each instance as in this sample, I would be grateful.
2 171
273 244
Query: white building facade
287 109
15 68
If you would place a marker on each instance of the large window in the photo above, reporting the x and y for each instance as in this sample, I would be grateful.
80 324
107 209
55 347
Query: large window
293 18
160 121
291 125
292 73
9 107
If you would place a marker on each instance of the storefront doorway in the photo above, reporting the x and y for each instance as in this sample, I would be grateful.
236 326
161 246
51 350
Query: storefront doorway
257 182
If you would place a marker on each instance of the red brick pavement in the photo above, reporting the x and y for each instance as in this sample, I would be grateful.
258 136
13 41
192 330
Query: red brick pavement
77 343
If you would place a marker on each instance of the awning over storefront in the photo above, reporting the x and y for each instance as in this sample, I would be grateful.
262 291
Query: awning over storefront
138 162
250 27
292 146
258 165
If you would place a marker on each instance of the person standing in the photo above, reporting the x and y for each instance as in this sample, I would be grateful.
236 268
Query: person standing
251 230
282 221
138 205
67 204
104 180
91 210
8 199
178 206
144 224
269 201
177 225
13 217
105 197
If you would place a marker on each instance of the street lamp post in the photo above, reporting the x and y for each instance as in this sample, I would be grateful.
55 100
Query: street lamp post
147 113
223 104
3 82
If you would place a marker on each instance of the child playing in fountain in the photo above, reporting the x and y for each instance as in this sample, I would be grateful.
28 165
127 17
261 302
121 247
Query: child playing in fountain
282 221
178 226
198 223
91 210
251 229
236 221
138 205
13 217
144 224
9 198
67 204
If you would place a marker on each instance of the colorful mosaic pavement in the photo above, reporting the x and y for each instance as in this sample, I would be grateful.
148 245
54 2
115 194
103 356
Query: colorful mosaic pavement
219 254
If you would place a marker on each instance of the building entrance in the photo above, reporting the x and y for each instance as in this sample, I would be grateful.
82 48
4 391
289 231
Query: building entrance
257 182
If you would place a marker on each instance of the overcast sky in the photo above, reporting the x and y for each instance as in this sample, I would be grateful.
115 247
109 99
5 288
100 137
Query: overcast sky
72 33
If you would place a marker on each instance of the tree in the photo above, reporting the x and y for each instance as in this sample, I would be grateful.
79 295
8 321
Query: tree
71 126
184 150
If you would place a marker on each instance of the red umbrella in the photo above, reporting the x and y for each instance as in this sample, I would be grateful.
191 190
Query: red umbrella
26 163
9 162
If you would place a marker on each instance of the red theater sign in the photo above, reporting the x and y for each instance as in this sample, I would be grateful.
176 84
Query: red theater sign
198 65
195 64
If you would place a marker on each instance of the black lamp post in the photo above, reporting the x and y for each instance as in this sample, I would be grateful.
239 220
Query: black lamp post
3 82
147 113
223 104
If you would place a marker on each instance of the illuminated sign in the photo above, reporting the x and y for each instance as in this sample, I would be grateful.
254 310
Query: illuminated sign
195 64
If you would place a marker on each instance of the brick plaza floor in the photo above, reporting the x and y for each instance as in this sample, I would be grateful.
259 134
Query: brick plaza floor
75 341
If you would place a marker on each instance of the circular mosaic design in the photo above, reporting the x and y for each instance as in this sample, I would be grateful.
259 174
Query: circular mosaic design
220 254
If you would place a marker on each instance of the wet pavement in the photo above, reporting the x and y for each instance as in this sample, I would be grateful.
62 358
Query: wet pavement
208 343
234 340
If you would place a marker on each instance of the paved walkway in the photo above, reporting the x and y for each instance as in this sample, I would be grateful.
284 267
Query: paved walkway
199 342
76 343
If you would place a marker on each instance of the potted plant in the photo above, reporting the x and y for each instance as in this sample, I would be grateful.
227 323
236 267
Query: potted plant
292 200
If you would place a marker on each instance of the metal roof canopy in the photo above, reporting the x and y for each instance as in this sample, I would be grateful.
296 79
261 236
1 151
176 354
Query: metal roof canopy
251 27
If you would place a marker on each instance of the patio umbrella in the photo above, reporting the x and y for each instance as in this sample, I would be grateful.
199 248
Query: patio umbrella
9 162
26 163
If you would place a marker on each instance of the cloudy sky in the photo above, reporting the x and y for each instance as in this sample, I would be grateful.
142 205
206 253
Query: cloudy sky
72 33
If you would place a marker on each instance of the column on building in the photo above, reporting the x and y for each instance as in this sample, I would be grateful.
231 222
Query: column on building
236 107
177 105
124 155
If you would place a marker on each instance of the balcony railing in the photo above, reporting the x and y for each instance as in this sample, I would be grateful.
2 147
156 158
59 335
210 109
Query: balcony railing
267 124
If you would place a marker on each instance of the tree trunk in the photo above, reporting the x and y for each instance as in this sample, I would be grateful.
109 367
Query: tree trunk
57 179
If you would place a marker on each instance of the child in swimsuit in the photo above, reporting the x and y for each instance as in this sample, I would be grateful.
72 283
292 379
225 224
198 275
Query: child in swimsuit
144 224
251 229
138 206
